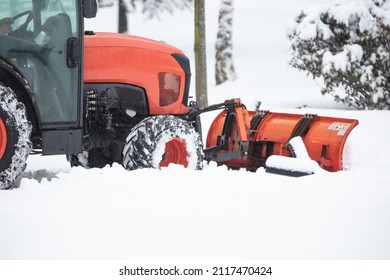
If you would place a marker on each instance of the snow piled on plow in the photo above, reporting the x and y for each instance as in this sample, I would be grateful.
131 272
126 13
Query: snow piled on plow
299 165
60 212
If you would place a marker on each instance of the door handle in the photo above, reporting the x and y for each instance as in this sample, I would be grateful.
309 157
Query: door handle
72 52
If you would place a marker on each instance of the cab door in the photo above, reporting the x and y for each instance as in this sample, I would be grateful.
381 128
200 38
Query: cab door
60 78
44 41
57 73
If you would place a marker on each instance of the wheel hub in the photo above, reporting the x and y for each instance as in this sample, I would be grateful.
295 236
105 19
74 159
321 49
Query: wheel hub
175 152
3 138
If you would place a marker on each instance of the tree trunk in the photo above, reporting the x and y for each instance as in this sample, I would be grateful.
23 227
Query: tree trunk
122 23
224 67
200 54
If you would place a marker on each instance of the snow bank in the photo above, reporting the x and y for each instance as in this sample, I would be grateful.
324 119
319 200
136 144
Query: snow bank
175 213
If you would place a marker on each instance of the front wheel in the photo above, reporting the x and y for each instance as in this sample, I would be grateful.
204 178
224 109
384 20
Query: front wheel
15 144
161 140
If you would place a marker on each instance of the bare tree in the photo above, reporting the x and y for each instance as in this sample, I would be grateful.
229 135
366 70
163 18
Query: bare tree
105 3
200 54
122 22
152 8
224 67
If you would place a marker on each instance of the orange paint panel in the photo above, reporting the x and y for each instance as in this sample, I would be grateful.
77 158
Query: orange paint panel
326 139
113 58
215 129
277 127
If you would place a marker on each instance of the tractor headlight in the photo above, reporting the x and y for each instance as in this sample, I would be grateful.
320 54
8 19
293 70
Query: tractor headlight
169 84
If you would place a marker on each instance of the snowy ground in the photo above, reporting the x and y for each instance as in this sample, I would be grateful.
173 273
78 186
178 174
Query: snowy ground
174 213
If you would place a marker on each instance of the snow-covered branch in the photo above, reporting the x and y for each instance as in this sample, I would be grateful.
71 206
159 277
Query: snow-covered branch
348 46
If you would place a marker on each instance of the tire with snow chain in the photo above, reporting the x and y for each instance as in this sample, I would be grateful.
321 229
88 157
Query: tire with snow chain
160 140
15 144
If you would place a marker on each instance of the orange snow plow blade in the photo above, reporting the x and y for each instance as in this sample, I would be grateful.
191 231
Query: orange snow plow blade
240 138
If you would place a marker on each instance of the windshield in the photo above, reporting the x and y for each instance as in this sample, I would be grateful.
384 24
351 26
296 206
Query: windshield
34 36
18 12
14 13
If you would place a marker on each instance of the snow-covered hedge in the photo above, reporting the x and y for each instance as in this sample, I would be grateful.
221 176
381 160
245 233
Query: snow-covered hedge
348 46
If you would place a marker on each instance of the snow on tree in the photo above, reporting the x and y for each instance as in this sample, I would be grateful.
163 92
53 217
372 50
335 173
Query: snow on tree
105 3
348 46
153 8
224 67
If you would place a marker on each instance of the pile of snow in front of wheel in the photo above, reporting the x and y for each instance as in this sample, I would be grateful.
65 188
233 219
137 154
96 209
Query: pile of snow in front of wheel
83 158
192 141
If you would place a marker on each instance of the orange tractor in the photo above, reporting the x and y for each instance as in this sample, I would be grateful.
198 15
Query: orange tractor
101 98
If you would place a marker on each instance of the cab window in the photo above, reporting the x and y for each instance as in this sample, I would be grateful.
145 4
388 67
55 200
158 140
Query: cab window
34 36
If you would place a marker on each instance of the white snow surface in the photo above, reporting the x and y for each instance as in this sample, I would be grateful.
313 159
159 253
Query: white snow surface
60 212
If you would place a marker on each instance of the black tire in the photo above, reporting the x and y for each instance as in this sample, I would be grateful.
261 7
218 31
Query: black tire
146 145
15 144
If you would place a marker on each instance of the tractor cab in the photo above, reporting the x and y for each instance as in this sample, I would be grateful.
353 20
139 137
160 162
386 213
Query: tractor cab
42 40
